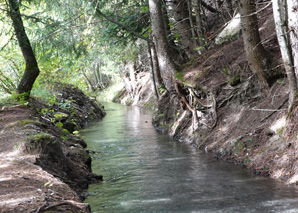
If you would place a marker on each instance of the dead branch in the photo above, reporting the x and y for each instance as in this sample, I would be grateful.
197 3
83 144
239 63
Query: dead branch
77 205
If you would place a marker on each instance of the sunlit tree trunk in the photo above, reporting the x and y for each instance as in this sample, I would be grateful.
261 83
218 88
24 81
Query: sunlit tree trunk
279 10
31 70
256 55
293 30
153 77
167 66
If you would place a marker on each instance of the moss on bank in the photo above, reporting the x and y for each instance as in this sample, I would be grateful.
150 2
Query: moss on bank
50 159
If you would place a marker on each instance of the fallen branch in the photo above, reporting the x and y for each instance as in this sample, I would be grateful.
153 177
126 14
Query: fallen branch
82 206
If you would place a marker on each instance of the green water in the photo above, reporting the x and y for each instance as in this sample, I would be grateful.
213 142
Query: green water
145 171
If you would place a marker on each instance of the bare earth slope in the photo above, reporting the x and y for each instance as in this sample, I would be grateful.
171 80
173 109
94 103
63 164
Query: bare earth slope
251 129
42 167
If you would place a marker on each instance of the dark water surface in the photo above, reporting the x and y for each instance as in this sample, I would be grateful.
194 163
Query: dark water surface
145 171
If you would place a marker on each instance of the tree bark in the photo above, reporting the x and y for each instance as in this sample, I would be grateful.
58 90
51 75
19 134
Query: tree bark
156 66
166 64
293 31
192 25
153 78
285 47
182 23
256 55
31 70
201 30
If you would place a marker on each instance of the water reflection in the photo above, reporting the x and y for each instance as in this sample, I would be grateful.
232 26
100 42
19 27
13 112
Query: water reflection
145 171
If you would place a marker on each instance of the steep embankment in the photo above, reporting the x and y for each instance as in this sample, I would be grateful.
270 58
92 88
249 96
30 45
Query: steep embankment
232 118
43 166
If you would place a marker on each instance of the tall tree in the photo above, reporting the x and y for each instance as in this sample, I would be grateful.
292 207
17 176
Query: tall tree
166 64
292 15
256 55
282 27
31 70
200 28
182 22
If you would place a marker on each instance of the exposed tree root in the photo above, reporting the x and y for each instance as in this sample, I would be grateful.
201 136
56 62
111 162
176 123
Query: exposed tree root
191 106
81 206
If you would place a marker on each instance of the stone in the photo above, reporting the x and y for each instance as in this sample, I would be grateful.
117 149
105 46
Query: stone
230 31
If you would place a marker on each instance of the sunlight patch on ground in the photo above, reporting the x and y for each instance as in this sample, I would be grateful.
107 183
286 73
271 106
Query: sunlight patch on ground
277 174
16 201
279 124
293 179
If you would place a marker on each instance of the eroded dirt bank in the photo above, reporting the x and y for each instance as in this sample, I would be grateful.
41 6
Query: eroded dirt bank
235 120
43 167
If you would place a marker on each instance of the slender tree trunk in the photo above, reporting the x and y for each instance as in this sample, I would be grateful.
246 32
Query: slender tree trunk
192 25
169 35
156 66
166 64
182 23
285 47
199 22
293 30
96 74
31 70
88 82
256 55
153 79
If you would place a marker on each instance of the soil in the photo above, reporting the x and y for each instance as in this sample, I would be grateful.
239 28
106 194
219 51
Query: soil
43 167
252 129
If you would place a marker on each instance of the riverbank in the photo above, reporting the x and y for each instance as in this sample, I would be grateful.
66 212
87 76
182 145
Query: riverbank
219 108
44 167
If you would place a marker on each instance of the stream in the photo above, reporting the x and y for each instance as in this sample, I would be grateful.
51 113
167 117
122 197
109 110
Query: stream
146 171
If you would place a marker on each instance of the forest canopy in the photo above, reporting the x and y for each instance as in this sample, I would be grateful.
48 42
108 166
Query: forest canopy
90 43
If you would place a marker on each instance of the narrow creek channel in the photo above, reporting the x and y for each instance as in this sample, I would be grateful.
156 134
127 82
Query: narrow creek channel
145 171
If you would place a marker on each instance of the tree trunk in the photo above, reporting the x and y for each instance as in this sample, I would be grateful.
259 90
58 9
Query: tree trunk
166 64
88 82
31 70
181 16
256 55
156 66
192 26
285 47
153 78
199 23
293 30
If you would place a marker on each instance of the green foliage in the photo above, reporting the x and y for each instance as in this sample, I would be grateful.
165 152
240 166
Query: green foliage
64 137
66 131
60 115
20 98
179 76
161 115
40 136
22 123
161 89
59 124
